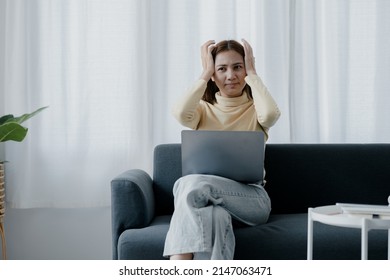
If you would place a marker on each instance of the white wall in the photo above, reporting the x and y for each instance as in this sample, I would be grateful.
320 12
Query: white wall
58 234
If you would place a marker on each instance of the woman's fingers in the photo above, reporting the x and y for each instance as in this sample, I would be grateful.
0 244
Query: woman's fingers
249 58
206 52
207 59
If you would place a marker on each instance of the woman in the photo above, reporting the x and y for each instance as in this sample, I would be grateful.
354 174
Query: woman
228 96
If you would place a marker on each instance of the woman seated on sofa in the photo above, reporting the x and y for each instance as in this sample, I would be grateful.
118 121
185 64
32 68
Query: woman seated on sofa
228 96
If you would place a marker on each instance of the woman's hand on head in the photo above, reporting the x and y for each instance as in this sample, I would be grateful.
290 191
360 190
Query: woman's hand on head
207 60
249 58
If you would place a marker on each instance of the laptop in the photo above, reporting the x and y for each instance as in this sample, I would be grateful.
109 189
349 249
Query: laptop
237 155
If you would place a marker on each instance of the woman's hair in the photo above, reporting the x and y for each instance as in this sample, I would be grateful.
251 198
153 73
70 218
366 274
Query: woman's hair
223 46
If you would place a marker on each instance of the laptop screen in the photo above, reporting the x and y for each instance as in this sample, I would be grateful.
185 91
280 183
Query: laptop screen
237 155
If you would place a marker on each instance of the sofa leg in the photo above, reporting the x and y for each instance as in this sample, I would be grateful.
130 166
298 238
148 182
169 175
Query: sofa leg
309 235
388 245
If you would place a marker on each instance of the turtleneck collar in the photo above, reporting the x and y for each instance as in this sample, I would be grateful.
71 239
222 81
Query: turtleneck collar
231 101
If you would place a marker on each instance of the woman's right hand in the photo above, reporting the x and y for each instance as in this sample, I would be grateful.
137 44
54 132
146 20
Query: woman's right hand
207 60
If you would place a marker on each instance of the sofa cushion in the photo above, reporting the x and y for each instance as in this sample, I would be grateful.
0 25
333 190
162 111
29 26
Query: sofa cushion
284 237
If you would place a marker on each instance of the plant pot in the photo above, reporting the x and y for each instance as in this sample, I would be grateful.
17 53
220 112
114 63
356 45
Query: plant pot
2 192
2 209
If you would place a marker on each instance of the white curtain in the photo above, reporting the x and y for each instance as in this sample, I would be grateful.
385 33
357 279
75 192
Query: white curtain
339 69
110 72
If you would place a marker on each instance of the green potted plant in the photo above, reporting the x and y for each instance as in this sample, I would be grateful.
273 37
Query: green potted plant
10 130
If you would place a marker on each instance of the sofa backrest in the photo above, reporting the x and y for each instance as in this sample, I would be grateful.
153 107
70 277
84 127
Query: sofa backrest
309 175
299 175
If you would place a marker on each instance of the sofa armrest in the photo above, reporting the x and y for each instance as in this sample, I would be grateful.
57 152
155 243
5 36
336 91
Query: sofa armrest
132 203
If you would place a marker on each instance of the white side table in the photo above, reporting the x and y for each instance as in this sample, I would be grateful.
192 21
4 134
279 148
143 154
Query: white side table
333 215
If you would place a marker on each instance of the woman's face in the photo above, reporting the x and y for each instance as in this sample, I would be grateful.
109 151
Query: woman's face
229 74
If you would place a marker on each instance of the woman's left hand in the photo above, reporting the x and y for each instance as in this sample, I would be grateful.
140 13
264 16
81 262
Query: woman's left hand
249 58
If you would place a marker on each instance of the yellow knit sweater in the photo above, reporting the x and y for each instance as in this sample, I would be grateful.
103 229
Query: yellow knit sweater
238 113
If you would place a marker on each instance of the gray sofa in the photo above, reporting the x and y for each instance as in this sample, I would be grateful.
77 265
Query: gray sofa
298 176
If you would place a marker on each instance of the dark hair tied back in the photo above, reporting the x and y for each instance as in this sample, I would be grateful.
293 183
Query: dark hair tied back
223 46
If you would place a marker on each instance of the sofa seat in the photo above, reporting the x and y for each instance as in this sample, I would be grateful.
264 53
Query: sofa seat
284 237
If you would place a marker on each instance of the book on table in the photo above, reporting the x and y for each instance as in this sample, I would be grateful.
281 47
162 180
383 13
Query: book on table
365 209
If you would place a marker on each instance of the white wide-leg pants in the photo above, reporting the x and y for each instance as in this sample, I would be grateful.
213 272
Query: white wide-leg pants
204 208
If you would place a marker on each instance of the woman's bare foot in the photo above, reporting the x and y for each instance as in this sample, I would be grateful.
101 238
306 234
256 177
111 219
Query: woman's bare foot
188 256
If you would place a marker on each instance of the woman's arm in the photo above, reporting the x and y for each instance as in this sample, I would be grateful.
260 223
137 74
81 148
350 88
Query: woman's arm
267 109
187 110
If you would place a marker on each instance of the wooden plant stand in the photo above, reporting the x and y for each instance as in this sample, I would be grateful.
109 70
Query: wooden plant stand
2 211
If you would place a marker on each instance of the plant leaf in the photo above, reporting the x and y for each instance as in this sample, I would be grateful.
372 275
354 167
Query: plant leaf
25 117
5 118
12 131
